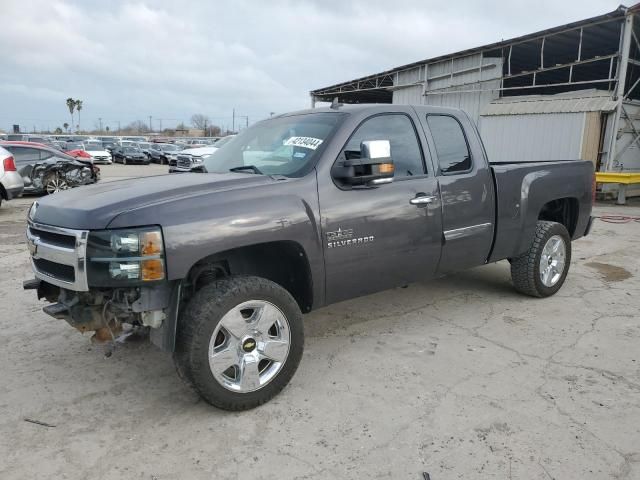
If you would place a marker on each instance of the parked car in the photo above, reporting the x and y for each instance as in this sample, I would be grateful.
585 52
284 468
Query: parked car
164 153
11 183
67 146
128 155
330 204
144 146
81 154
46 170
190 158
97 152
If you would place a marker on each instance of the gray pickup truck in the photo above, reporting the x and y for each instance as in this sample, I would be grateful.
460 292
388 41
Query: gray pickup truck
297 212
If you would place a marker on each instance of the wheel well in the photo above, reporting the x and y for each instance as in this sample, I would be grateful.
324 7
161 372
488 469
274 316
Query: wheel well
563 211
283 262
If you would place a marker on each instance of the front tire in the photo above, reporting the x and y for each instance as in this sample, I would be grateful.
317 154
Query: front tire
542 270
239 342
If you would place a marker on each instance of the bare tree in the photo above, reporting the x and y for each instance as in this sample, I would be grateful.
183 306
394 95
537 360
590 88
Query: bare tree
137 126
200 121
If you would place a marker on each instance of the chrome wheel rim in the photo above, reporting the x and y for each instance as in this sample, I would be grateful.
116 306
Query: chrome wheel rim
249 346
552 261
56 184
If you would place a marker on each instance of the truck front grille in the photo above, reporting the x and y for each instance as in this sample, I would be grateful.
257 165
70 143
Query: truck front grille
57 239
58 255
66 273
184 161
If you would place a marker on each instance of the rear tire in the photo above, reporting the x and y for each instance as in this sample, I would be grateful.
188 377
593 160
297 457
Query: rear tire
250 324
542 270
53 183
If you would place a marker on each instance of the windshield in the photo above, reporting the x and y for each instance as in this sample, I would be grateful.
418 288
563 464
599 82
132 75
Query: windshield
224 140
280 146
131 149
170 148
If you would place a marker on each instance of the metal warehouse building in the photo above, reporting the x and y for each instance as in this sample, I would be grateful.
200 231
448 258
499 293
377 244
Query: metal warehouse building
568 92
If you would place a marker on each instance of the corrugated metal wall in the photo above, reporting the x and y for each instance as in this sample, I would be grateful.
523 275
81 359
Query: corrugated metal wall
630 159
551 136
466 76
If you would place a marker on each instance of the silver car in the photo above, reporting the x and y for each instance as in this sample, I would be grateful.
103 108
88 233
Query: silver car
11 183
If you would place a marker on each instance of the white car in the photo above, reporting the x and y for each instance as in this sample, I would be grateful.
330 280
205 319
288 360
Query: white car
11 183
191 157
97 152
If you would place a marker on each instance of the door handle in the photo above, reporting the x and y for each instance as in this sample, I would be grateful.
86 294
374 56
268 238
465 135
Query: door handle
422 200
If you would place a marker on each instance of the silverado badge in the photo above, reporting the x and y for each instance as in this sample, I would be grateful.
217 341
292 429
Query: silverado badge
345 238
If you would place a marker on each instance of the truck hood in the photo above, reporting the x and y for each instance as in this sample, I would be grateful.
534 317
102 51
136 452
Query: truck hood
93 207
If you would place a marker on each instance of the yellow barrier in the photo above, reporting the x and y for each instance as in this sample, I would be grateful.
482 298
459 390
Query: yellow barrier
622 179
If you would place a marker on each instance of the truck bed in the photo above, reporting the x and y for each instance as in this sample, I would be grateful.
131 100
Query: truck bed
523 189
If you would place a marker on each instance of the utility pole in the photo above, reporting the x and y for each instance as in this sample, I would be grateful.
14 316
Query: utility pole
205 128
118 127
100 120
150 124
160 120
233 125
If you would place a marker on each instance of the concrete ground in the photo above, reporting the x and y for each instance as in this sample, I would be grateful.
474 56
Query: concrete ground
460 377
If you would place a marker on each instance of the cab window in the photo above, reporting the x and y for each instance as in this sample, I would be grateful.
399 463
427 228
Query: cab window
451 144
399 130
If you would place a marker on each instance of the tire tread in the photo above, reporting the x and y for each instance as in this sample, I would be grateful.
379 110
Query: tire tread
208 303
523 268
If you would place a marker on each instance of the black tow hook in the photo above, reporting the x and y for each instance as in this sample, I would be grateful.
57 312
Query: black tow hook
32 284
59 311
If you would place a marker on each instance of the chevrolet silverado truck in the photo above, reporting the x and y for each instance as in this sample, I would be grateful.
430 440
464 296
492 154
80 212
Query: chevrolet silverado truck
297 212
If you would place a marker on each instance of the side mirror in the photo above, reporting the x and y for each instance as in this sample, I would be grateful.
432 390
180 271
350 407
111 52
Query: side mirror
371 166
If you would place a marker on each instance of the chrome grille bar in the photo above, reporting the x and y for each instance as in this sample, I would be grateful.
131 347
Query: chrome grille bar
41 248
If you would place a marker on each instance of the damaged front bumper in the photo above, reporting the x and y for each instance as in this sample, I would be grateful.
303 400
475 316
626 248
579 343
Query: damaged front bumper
106 311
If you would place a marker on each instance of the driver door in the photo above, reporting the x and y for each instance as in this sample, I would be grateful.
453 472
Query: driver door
380 237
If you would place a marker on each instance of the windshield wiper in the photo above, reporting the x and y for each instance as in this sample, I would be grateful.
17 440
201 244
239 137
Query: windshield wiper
244 168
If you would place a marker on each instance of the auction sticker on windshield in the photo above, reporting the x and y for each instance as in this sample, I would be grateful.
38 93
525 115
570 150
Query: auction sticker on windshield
304 142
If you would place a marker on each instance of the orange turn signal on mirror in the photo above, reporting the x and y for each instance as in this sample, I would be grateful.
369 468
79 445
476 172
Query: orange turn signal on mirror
150 243
386 168
152 270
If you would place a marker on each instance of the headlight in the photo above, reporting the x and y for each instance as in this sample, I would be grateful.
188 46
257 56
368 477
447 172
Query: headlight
125 257
196 159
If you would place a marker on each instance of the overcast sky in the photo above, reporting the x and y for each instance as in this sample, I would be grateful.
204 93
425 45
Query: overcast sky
169 59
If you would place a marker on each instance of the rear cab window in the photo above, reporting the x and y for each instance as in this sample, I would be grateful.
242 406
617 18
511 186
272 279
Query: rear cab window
452 148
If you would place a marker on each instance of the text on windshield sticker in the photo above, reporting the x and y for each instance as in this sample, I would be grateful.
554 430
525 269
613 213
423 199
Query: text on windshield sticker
304 142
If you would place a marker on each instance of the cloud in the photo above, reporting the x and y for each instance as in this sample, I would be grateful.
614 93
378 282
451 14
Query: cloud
131 59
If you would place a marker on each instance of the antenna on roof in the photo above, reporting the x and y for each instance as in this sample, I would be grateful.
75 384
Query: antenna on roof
335 104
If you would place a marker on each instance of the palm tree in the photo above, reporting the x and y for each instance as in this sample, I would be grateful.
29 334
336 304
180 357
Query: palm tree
66 126
71 104
78 108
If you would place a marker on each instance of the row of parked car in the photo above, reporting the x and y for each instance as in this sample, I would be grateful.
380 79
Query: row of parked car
45 165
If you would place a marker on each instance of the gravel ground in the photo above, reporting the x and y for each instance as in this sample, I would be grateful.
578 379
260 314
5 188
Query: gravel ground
459 377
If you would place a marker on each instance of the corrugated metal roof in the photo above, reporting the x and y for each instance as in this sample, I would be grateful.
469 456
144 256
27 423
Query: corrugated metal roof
617 13
572 102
